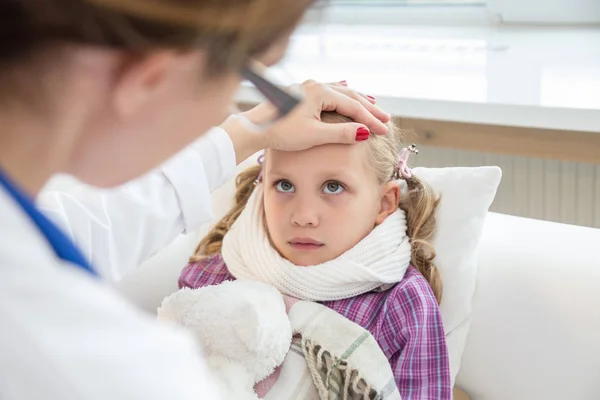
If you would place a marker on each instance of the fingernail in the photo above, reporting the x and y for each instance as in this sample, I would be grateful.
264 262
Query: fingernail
343 83
362 134
371 98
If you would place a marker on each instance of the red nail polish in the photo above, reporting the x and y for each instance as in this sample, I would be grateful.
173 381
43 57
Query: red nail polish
371 98
344 83
362 134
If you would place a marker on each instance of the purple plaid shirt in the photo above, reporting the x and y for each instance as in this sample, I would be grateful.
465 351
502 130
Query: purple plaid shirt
405 321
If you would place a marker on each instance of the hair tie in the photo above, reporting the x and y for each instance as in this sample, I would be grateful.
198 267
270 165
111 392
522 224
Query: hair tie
402 170
260 161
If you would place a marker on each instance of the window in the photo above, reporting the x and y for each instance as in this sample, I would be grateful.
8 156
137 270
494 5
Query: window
375 3
544 11
402 12
459 12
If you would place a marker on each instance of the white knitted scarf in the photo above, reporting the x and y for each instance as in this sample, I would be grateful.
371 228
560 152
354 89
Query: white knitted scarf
380 259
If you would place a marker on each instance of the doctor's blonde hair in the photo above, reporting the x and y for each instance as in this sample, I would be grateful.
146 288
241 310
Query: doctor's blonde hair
419 202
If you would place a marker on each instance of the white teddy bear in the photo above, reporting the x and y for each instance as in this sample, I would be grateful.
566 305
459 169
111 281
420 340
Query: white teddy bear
243 327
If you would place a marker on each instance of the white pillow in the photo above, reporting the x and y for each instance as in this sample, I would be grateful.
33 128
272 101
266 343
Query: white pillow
467 194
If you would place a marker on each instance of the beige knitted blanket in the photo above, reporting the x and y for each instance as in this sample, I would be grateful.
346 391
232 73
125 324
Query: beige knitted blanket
331 358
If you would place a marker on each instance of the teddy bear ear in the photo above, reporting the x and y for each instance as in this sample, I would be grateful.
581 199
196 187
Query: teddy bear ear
174 307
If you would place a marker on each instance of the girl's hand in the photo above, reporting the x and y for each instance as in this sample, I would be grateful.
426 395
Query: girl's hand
302 128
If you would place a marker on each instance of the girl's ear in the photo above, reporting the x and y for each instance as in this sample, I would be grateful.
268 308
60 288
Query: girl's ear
390 199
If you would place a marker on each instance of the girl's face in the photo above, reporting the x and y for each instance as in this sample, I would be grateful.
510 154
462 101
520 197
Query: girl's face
321 202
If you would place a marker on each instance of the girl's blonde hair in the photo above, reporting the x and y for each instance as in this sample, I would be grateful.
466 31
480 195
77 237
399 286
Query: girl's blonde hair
420 204
229 31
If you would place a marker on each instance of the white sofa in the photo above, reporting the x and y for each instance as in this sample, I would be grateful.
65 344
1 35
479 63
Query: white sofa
535 330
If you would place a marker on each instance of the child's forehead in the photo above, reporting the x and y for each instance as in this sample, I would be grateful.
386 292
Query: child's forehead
329 156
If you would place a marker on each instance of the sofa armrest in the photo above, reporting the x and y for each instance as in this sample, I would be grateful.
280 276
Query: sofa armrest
536 312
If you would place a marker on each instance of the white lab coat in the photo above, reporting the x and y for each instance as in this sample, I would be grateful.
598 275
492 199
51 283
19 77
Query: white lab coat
67 335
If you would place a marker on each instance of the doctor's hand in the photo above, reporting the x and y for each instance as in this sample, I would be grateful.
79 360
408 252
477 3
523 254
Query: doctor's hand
302 128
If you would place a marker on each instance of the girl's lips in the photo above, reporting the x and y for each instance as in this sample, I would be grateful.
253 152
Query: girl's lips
305 244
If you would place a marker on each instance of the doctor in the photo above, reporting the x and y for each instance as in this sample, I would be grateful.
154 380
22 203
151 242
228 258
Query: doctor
107 90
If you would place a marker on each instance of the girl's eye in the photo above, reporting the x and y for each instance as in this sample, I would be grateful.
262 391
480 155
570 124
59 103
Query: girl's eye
333 187
285 187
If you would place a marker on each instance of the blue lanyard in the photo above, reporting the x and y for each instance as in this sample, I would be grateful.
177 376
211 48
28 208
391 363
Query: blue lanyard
64 248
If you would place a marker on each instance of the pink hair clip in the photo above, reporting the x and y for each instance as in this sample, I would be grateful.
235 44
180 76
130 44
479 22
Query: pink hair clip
260 161
402 169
